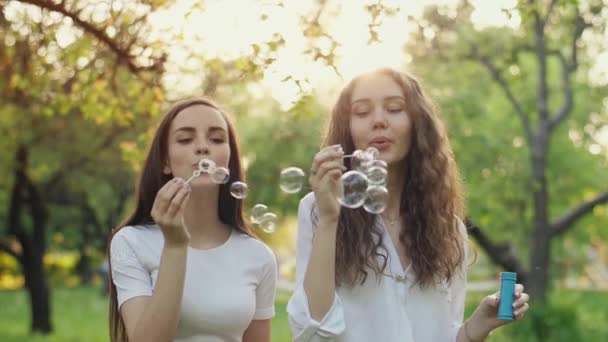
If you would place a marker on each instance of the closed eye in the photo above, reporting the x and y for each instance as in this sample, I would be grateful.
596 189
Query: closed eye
395 109
361 113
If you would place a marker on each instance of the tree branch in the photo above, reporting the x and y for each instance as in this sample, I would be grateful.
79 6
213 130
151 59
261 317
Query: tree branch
123 55
500 254
566 221
540 47
567 70
563 112
550 8
497 76
579 27
58 176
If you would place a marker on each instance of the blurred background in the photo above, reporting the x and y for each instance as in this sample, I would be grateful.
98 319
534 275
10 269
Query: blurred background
522 86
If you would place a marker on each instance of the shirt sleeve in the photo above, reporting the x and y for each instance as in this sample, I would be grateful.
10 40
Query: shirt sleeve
459 287
265 291
303 326
128 274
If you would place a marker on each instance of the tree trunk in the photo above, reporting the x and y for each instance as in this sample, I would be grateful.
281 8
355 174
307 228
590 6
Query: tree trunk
34 244
538 281
540 254
84 269
38 291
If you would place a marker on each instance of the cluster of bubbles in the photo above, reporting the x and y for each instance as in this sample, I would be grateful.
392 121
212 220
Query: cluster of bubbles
263 218
364 185
220 175
260 215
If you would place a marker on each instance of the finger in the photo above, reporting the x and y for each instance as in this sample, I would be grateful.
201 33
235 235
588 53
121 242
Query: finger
332 175
327 177
170 192
328 153
519 313
166 194
492 300
519 289
185 201
523 299
324 156
156 204
176 202
328 166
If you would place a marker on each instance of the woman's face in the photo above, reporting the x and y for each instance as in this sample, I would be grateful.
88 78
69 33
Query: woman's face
378 118
197 132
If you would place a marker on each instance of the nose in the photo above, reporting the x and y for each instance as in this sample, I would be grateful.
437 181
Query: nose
202 148
378 119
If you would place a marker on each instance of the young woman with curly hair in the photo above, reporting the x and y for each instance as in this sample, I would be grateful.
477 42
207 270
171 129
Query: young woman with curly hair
399 275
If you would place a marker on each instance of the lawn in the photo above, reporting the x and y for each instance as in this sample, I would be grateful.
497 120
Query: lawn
80 315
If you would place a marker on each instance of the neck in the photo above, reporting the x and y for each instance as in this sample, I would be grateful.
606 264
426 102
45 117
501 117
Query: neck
202 218
394 183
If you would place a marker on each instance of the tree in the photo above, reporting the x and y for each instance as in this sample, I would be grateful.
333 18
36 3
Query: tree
548 42
64 64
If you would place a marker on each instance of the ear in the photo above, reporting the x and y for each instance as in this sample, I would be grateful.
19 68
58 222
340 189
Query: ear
166 169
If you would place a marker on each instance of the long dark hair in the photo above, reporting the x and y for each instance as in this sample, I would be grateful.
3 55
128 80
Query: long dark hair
431 200
152 178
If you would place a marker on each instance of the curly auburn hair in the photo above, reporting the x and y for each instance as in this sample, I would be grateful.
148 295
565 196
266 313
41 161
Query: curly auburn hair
431 205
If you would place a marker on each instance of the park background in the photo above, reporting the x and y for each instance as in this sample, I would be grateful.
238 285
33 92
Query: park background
522 87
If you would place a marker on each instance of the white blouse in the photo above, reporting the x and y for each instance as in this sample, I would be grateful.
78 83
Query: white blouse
225 287
386 309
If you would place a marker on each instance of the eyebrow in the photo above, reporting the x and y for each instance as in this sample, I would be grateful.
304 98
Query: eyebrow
388 98
190 129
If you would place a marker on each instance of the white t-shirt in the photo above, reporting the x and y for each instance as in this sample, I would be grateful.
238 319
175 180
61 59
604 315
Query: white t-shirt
225 287
390 310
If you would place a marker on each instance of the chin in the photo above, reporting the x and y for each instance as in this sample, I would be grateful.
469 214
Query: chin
386 156
203 182
392 159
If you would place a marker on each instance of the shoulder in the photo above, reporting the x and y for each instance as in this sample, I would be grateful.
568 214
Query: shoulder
462 229
142 241
464 238
308 200
307 205
252 247
137 234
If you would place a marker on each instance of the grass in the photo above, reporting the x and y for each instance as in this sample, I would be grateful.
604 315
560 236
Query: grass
80 314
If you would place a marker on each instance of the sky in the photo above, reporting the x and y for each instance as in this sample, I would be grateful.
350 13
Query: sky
228 28
219 31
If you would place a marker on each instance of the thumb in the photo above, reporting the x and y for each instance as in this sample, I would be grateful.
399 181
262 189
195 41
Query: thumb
492 300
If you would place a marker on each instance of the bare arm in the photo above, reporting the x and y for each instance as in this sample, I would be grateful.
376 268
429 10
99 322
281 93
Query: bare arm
258 331
319 280
155 318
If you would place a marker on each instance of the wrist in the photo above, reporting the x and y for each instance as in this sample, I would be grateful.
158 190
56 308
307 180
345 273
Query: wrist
176 244
329 222
476 330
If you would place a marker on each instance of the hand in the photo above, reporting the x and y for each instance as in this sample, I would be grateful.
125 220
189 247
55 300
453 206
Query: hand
327 168
485 318
167 211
